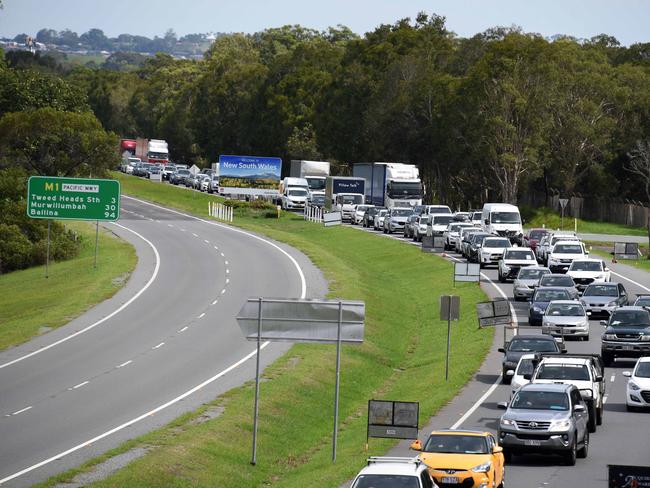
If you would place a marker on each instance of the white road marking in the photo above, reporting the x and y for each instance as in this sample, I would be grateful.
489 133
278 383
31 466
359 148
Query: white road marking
223 291
226 262
22 410
158 346
227 271
184 328
214 302
170 225
158 221
124 363
79 385
135 420
477 404
182 230
303 281
227 280
222 254
611 380
206 241
112 314
631 281
202 315
194 234
216 247
605 399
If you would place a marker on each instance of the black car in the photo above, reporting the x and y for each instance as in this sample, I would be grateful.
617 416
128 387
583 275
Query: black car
369 216
627 334
475 243
526 344
178 177
540 300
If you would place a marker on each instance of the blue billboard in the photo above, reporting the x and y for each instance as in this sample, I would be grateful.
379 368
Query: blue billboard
249 174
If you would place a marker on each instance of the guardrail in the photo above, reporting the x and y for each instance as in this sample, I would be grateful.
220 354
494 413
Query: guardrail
313 214
220 211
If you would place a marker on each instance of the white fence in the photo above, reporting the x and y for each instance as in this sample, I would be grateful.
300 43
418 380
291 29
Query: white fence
313 214
220 211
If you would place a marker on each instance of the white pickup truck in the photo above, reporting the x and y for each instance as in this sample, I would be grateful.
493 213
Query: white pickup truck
563 253
585 371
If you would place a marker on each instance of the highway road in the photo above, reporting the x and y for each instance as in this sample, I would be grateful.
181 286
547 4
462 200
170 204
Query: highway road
165 344
623 438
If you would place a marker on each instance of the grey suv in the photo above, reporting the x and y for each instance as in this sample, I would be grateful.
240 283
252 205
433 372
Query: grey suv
545 418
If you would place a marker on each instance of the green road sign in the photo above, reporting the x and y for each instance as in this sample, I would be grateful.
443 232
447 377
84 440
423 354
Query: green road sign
51 197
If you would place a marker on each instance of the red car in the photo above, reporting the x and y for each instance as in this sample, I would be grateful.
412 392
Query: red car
533 236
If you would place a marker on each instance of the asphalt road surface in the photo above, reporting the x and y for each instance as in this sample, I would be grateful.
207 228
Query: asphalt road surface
162 346
623 438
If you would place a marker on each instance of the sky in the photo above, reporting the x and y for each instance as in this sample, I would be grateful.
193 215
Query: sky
627 20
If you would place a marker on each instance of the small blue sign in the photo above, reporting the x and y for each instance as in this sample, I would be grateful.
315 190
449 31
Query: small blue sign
250 172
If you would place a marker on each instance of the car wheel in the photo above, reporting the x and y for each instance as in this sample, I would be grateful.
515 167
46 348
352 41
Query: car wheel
501 278
505 379
584 450
599 415
572 455
507 455
592 418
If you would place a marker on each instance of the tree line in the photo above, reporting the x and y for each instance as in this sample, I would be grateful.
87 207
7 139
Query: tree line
490 117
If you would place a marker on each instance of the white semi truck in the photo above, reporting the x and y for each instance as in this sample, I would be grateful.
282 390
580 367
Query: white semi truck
390 184
315 172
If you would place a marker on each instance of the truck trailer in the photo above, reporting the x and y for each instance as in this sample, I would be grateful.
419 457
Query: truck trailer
315 172
390 184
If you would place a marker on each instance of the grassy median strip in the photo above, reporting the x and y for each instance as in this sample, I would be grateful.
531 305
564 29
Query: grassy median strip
402 358
31 304
545 217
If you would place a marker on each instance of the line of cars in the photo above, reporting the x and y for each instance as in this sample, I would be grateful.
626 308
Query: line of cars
175 173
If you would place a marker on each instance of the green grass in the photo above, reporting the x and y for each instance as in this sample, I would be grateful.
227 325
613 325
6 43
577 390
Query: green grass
402 358
545 217
643 263
31 304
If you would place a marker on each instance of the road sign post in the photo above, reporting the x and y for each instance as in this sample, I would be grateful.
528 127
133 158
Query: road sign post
322 321
449 310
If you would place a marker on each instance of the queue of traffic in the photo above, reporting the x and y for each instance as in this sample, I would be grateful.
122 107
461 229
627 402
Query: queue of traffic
557 398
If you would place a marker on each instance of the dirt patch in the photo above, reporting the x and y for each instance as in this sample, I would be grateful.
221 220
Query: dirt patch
120 280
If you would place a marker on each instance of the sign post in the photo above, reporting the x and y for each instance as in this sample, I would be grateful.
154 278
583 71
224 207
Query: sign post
57 198
449 310
563 202
321 321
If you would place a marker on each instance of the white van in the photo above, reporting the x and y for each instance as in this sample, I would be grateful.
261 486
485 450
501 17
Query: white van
504 220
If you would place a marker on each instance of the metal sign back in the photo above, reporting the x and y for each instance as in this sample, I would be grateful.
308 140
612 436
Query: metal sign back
493 313
332 218
467 272
563 202
393 419
626 250
449 307
302 320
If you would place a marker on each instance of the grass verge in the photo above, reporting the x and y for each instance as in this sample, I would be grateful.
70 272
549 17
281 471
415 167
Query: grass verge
545 217
31 304
402 358
643 263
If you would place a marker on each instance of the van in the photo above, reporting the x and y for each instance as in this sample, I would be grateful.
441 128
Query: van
504 220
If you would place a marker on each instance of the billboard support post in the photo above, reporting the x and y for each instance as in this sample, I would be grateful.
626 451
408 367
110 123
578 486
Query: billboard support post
96 243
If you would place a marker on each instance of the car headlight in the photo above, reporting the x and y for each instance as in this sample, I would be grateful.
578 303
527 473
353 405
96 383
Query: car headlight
612 304
483 468
609 337
547 324
586 393
633 386
538 309
508 422
560 425
506 268
645 338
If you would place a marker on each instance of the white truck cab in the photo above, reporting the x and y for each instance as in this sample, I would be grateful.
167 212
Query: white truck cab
504 220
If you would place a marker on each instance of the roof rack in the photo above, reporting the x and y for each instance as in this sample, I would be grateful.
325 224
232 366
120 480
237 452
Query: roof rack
394 459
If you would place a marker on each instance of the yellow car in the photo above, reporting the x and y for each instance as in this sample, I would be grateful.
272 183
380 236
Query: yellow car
463 459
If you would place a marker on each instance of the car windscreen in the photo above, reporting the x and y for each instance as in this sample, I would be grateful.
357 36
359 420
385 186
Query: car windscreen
550 295
456 444
556 281
425 219
438 209
643 370
519 254
630 318
540 400
564 372
565 310
496 243
601 291
532 345
642 302
567 249
505 218
316 184
477 216
526 366
346 199
407 189
297 193
401 212
362 208
536 234
183 172
532 274
386 481
586 266
318 199
442 219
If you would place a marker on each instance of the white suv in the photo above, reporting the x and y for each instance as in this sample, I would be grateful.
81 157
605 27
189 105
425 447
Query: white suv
563 253
396 472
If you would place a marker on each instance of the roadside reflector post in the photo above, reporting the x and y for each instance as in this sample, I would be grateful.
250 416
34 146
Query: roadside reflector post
279 208
257 382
